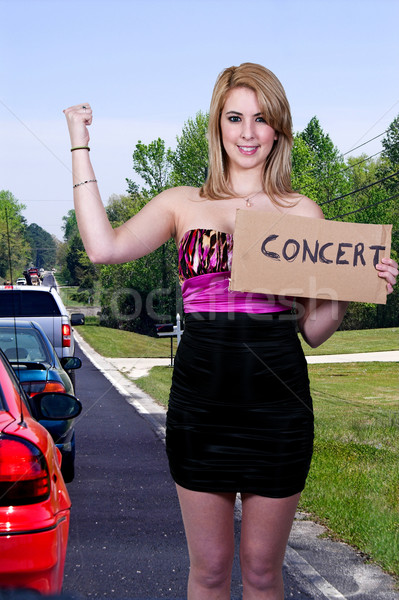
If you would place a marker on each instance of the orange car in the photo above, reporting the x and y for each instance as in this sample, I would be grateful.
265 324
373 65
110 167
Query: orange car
34 502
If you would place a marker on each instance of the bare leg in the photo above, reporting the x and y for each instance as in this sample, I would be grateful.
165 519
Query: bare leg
209 525
266 525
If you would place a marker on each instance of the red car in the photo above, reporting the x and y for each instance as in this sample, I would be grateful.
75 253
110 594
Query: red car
34 502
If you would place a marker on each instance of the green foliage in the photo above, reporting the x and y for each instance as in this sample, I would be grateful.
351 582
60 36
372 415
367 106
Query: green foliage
354 478
70 225
78 269
137 294
326 170
190 159
391 144
15 250
152 163
44 247
303 177
120 208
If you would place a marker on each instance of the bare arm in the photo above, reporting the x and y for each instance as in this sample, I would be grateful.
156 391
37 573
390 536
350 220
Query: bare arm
142 234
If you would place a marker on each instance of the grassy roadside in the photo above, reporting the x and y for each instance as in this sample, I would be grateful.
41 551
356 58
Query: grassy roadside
115 343
353 486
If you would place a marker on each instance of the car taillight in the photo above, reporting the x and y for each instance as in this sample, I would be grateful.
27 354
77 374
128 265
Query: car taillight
24 475
66 336
37 387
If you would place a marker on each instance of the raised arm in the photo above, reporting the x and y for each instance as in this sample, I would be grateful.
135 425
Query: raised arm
142 234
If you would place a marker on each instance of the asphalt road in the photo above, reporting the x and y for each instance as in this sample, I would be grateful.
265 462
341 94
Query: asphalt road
126 535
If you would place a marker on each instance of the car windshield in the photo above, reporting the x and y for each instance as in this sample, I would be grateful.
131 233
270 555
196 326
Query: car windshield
26 345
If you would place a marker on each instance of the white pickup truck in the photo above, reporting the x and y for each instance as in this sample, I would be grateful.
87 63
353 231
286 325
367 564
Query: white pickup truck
43 305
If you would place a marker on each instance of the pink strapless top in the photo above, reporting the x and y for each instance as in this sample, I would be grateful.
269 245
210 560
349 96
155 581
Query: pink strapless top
205 257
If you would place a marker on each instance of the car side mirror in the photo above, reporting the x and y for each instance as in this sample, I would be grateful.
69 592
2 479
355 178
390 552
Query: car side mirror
77 319
55 406
71 362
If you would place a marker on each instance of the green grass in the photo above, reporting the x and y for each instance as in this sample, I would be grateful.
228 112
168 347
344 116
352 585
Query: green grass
353 486
362 340
67 292
157 384
115 343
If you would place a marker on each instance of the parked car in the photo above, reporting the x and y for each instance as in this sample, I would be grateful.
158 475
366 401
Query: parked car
44 306
21 281
34 502
39 370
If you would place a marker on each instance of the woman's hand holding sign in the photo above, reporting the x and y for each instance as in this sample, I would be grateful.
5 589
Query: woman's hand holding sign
388 269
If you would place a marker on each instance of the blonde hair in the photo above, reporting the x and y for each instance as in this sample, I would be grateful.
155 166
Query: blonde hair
275 110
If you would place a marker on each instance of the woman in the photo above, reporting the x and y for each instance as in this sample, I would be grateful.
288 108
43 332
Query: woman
240 413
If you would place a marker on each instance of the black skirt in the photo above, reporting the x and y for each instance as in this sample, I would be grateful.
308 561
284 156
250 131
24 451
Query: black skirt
240 415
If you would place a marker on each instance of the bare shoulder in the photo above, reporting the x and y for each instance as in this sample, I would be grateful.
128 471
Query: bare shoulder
167 209
183 192
173 198
305 207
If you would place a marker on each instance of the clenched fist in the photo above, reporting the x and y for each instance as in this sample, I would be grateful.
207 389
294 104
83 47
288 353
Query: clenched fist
78 118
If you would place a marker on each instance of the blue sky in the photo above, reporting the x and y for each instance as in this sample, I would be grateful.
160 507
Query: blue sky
146 66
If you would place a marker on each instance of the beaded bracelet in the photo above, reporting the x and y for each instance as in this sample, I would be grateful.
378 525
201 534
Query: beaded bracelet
81 148
83 182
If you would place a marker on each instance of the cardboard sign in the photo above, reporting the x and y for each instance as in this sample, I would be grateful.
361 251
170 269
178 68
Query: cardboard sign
286 255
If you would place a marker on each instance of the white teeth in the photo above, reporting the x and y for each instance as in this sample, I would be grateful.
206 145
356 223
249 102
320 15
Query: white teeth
248 148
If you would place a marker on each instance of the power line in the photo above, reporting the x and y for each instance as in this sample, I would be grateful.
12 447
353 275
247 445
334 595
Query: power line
365 143
359 162
389 110
344 169
365 187
342 155
363 208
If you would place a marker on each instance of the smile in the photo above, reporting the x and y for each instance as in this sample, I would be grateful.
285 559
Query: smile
249 150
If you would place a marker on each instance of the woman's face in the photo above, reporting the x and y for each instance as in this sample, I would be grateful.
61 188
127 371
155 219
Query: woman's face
247 138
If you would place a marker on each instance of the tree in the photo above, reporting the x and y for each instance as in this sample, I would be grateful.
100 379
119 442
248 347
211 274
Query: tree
15 251
120 208
303 178
70 225
76 266
190 159
44 247
152 163
390 144
138 293
327 169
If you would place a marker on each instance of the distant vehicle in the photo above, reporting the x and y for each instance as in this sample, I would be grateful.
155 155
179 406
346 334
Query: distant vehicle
34 502
44 306
49 279
20 281
39 370
33 271
34 279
